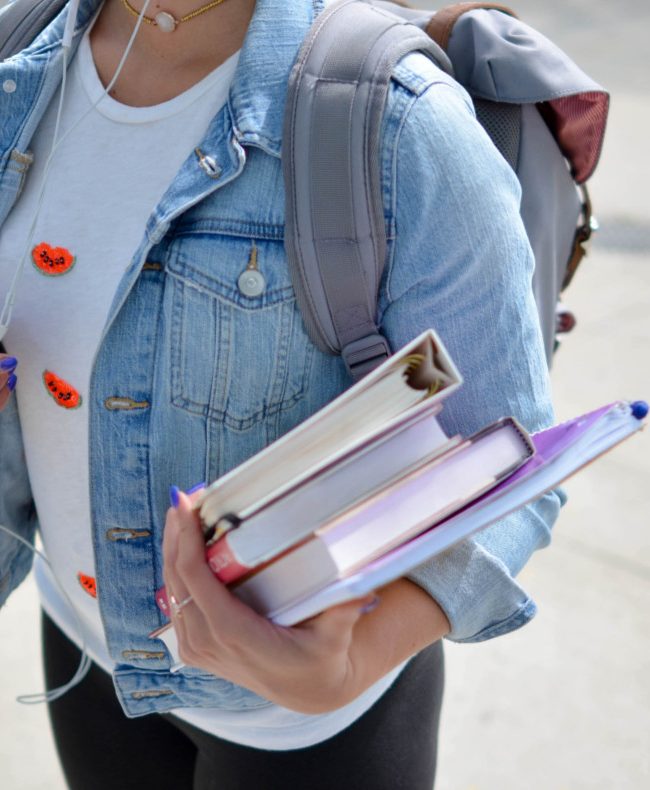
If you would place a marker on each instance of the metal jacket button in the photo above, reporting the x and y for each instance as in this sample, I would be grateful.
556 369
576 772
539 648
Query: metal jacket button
208 164
9 86
251 281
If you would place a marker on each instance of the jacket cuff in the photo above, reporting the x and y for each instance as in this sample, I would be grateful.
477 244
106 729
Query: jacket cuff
476 592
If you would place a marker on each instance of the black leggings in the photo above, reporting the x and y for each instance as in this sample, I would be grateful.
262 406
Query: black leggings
392 746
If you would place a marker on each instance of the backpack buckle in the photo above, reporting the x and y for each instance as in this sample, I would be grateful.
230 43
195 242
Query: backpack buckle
363 355
582 235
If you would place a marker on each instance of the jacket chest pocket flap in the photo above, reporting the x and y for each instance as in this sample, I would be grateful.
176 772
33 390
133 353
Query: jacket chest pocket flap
234 357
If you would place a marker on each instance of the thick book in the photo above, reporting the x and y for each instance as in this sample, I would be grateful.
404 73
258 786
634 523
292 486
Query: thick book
290 519
394 514
413 382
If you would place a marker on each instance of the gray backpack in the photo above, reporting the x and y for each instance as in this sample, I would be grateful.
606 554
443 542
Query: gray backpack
545 116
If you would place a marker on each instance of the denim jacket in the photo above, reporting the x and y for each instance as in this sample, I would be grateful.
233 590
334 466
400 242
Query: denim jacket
192 376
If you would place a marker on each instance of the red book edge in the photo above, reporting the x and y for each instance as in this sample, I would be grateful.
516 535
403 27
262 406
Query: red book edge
223 563
226 567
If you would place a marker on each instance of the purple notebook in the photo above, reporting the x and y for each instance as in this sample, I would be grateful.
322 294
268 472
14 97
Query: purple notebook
552 442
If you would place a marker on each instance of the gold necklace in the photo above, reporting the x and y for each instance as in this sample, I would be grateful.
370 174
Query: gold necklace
167 22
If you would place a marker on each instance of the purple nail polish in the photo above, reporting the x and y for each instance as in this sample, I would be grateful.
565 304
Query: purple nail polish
8 363
174 491
370 606
11 382
196 488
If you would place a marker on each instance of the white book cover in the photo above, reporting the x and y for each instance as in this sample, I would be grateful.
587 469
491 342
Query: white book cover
299 513
415 379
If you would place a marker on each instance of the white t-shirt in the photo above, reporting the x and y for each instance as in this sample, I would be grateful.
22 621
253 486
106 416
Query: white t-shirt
107 174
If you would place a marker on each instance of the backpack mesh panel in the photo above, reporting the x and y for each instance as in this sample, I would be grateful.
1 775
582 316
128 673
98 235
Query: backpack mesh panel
502 122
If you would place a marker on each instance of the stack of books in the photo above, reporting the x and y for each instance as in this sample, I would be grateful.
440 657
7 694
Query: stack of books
371 486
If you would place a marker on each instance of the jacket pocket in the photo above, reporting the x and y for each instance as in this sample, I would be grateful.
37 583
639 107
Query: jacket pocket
234 358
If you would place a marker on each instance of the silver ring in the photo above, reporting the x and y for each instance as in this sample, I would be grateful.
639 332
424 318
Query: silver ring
176 607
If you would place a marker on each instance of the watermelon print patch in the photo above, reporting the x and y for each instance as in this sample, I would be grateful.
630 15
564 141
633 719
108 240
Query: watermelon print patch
88 583
64 394
52 261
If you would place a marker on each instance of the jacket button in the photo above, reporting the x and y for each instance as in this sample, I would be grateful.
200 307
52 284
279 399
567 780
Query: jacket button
251 282
208 164
9 86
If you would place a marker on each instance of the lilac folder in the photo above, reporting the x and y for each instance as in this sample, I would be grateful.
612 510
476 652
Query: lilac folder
559 453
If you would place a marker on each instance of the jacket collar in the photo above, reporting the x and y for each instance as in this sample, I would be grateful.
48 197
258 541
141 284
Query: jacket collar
258 92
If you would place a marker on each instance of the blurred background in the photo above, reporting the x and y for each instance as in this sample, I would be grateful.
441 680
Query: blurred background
563 704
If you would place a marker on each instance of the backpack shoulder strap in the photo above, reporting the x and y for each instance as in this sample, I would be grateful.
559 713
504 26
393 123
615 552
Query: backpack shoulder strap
335 234
22 21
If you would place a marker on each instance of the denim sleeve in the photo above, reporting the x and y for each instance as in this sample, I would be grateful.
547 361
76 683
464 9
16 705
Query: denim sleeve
17 511
459 261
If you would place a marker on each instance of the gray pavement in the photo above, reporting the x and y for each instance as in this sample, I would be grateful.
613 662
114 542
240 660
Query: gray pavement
563 704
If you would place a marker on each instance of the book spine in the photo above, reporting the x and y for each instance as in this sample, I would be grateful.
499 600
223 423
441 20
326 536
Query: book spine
163 601
224 563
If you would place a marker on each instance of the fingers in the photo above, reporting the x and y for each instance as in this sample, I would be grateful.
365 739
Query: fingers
225 612
213 612
195 492
173 526
8 378
190 571
185 569
188 618
220 634
5 394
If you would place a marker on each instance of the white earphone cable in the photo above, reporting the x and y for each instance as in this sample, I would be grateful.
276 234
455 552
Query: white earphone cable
5 319
85 662
7 309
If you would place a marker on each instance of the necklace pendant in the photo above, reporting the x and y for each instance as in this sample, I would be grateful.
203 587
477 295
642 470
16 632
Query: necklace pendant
165 22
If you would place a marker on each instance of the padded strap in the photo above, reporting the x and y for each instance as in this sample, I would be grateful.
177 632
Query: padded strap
335 235
22 21
442 22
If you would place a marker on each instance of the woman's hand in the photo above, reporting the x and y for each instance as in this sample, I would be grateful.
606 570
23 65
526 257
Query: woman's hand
306 668
7 378
316 666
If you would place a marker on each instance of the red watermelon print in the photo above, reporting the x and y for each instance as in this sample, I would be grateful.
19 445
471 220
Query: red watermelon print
63 393
88 583
52 261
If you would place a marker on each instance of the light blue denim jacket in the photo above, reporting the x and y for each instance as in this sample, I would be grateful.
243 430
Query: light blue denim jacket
191 376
